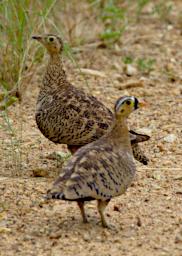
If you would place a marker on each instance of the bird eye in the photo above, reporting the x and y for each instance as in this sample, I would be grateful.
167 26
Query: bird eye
51 39
128 102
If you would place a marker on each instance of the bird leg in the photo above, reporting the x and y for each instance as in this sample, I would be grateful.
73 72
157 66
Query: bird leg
101 205
82 210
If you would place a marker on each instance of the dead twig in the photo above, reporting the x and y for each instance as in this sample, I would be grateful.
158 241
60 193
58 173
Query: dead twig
129 85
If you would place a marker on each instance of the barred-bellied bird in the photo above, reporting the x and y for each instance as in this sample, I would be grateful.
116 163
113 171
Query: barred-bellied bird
67 115
102 169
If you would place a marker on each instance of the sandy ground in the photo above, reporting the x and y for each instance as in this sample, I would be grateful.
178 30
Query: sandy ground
147 220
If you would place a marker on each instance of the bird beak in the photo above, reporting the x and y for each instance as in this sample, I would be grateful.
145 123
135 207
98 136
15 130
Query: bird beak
38 38
143 104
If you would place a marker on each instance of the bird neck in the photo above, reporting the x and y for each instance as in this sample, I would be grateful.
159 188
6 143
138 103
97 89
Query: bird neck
120 133
55 74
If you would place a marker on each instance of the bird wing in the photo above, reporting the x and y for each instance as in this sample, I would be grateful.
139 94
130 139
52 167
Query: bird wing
70 116
100 173
137 137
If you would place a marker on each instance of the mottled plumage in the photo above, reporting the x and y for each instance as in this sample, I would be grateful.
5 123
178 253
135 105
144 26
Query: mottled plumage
67 115
102 169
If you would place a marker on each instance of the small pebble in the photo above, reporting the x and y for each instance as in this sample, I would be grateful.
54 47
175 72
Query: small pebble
86 237
170 138
116 208
178 238
130 70
139 222
161 148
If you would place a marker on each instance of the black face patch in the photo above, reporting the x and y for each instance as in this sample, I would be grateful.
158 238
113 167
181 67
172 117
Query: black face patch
128 102
136 103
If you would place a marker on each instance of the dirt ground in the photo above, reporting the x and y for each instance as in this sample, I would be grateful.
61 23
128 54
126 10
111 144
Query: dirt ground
147 220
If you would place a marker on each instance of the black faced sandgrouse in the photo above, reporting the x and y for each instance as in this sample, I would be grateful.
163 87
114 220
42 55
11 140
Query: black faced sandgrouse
102 169
67 115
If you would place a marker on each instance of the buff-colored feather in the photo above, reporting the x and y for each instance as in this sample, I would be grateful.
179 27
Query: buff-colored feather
102 169
67 115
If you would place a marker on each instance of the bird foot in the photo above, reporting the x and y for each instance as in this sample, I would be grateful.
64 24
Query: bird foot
106 225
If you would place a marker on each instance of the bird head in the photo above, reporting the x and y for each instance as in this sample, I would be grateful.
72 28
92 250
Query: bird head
126 105
52 43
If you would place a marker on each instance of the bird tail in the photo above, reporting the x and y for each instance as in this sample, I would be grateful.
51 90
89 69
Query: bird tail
144 160
138 137
54 195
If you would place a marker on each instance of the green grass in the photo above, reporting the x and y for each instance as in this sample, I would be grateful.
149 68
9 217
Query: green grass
145 65
19 20
140 5
163 10
114 20
128 60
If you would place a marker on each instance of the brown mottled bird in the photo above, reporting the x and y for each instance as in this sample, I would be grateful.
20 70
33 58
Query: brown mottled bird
102 169
67 115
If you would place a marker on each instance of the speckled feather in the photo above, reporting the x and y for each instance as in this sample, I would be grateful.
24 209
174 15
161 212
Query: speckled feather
67 115
70 116
100 170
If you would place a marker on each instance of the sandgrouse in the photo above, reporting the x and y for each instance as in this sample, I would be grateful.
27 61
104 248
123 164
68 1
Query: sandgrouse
102 169
67 115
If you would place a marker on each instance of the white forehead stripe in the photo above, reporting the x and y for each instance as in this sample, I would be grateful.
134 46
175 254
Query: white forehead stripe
122 100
